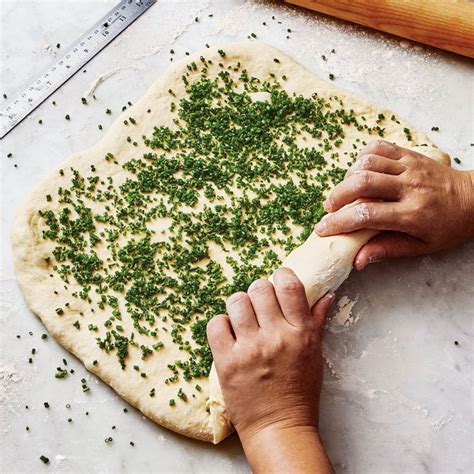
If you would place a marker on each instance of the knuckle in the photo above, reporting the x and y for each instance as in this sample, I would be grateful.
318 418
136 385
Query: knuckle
406 220
407 159
236 299
290 283
363 162
229 366
414 181
291 286
330 221
379 144
286 280
362 180
267 355
255 353
259 286
363 213
367 162
278 344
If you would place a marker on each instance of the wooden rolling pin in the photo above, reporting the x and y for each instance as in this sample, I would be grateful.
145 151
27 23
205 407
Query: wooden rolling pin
445 24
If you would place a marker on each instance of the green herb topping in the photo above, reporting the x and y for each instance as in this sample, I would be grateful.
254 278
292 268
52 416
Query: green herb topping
231 176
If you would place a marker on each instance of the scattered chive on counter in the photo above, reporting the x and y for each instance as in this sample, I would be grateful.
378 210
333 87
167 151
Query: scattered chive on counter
61 373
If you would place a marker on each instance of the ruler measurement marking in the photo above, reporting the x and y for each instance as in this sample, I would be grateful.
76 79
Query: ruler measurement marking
73 59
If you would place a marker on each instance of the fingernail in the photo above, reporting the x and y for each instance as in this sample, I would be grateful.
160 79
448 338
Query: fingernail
321 227
358 264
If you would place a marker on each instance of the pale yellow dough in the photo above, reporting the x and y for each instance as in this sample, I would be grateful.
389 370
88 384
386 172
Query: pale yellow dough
322 264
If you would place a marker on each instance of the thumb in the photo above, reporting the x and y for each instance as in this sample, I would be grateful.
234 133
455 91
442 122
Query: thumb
388 245
320 310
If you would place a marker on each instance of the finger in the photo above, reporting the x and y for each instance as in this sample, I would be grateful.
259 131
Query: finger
383 148
388 245
264 302
363 215
241 314
363 184
320 311
291 296
220 334
377 163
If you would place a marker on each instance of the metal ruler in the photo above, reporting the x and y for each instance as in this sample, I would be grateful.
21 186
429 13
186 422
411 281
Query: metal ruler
100 35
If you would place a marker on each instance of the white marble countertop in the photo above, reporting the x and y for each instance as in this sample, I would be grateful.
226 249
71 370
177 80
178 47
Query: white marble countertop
398 396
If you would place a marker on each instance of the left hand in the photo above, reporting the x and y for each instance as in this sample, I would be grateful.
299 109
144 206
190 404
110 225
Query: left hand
421 206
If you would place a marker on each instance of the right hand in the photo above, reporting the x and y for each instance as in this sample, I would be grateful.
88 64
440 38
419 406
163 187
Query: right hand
421 205
267 352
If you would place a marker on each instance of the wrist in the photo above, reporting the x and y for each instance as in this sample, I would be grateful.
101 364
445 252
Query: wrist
280 420
286 448
252 435
466 195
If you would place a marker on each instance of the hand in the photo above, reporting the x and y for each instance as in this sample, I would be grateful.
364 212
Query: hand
421 205
267 352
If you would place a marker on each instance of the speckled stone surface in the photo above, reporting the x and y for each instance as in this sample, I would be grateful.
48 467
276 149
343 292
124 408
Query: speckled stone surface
398 391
